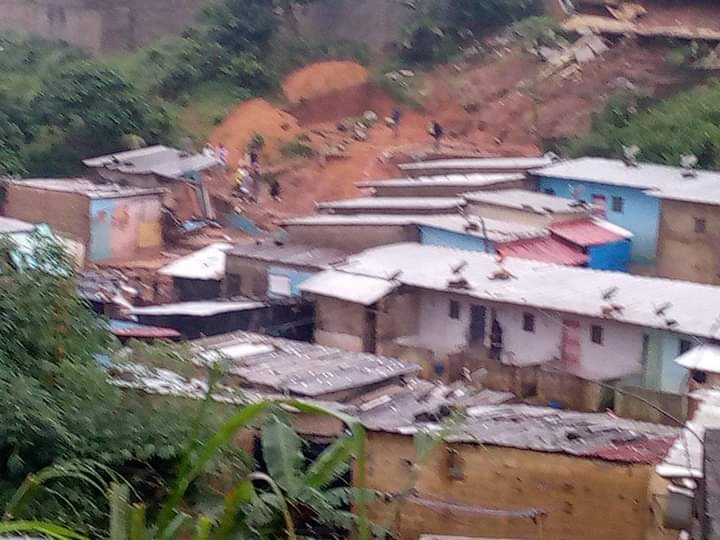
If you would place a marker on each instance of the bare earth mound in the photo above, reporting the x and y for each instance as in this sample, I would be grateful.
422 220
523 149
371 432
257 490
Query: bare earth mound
323 78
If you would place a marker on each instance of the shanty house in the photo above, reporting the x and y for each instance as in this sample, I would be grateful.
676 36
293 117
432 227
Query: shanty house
513 471
452 185
199 275
624 193
500 165
690 231
430 303
274 271
110 221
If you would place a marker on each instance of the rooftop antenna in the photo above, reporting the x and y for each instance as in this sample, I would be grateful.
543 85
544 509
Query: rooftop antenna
630 154
688 163
660 310
609 293
459 267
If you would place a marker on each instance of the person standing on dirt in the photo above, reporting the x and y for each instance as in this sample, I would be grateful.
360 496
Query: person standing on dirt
396 117
274 188
437 132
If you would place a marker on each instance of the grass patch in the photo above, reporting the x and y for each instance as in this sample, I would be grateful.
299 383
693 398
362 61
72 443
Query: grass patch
298 148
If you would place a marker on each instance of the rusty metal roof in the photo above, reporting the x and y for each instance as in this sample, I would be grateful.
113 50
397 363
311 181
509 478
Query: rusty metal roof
549 250
127 329
589 232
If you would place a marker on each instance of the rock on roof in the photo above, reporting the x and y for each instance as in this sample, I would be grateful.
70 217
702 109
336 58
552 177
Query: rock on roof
677 306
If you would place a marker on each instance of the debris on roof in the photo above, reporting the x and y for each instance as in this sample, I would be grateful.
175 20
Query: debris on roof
460 180
206 264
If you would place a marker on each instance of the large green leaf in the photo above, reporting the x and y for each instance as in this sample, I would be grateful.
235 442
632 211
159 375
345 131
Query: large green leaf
41 528
331 464
282 451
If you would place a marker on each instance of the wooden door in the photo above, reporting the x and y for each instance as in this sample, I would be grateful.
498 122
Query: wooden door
571 343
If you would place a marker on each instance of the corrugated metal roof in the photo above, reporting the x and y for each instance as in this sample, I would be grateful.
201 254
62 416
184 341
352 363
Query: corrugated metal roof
86 187
357 289
129 329
497 230
479 164
196 309
460 180
10 225
589 232
676 306
591 435
161 160
646 176
207 263
705 357
291 254
301 369
549 250
394 203
530 201
694 190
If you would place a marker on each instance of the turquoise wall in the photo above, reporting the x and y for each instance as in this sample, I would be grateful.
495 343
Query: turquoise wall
615 256
296 278
433 236
640 215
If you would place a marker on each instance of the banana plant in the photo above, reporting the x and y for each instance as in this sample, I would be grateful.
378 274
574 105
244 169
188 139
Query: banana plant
289 491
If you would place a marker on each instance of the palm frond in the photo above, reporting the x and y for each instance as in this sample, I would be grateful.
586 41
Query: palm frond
331 464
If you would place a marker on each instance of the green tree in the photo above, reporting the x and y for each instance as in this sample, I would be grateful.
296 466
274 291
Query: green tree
56 404
12 134
483 14
241 26
94 107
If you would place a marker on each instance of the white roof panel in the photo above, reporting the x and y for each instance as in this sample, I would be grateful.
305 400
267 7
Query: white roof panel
676 306
10 225
530 201
196 309
206 264
479 164
357 289
703 358
390 203
469 180
647 176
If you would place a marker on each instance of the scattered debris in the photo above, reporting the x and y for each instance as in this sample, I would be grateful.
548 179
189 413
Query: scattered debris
370 116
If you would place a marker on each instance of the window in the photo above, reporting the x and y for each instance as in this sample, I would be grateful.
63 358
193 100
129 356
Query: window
528 322
279 285
454 309
699 225
645 349
618 205
685 346
596 334
549 191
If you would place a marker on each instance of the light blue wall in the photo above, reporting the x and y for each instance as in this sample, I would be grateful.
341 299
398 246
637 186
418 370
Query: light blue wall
432 236
101 216
296 278
614 256
641 213
661 371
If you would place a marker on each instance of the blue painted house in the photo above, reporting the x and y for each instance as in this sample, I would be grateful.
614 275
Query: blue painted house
621 193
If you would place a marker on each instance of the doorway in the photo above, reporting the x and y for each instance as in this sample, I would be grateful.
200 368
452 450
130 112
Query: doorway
478 319
571 343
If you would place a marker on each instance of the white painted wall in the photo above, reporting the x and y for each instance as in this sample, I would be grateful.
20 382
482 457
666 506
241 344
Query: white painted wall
618 356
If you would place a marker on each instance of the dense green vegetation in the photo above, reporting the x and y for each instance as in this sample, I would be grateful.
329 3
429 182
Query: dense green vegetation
688 123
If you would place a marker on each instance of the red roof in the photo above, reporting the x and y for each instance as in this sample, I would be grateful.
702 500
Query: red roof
127 329
548 249
588 232
651 451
